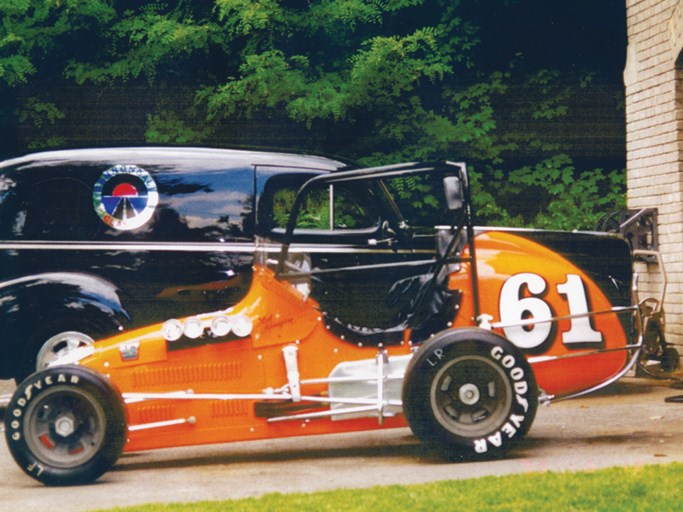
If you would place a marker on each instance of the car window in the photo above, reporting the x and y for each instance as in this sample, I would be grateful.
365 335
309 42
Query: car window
58 211
328 207
420 199
128 203
204 206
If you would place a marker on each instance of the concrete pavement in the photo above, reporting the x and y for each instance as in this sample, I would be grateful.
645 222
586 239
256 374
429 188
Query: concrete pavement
628 424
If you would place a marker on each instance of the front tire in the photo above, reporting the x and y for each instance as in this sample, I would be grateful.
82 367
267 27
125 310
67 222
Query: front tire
65 426
470 394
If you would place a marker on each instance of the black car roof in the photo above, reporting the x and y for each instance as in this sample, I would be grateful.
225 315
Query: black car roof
183 157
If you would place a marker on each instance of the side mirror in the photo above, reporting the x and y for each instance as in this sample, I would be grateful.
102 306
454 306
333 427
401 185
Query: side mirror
452 187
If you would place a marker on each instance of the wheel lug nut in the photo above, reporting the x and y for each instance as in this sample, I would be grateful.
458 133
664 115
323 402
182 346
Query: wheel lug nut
65 426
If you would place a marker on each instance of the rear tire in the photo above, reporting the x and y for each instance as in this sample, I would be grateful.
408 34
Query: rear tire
657 358
59 345
470 394
65 426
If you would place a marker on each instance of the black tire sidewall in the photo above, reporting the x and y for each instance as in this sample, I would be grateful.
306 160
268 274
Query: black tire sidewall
80 379
434 356
670 360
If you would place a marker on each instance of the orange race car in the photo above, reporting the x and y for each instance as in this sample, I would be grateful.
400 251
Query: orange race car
355 319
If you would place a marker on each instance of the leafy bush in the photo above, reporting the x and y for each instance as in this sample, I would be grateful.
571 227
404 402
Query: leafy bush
549 195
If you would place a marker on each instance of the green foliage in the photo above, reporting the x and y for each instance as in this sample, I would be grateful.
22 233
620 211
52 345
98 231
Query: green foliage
314 212
244 17
269 79
40 113
44 116
31 31
420 197
168 128
142 41
553 195
377 81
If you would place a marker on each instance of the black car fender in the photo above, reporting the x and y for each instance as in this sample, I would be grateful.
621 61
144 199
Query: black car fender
34 304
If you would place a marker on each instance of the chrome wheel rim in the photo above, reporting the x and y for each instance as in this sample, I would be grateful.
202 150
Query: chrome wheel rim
471 396
64 428
59 345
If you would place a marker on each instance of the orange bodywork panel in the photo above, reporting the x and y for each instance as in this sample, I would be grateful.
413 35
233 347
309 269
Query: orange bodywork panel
252 365
519 280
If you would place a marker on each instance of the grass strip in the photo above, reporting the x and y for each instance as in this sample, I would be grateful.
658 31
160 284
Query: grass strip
638 489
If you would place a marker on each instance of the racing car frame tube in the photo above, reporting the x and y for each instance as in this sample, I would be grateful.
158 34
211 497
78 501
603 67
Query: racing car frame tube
378 173
469 226
636 347
338 177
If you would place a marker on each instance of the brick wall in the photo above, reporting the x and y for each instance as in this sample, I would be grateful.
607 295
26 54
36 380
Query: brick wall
654 138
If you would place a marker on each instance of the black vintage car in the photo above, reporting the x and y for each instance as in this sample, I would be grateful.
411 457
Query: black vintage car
95 241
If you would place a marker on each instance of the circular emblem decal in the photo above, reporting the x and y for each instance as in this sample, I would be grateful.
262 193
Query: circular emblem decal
125 197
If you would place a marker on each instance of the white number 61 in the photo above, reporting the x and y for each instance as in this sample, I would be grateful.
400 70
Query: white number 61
514 307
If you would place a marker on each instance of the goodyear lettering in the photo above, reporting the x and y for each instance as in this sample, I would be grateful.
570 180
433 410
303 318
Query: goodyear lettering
523 402
509 430
480 446
496 439
516 419
520 386
18 411
517 373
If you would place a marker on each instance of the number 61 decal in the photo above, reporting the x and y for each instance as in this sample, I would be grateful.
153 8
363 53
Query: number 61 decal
515 307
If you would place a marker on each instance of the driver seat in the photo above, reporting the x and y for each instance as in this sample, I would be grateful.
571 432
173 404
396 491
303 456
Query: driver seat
431 306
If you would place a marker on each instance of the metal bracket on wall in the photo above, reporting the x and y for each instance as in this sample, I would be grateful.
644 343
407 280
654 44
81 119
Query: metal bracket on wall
640 229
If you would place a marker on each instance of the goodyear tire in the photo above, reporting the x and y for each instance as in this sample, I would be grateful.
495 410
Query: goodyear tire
470 394
65 425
